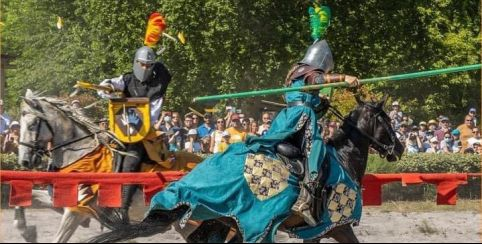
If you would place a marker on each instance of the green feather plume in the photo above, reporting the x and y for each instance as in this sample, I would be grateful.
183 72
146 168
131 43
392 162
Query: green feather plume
319 20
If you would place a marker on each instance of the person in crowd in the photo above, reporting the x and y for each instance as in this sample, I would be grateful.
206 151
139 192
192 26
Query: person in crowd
253 128
207 127
245 125
432 127
104 123
434 146
75 104
242 118
446 146
4 123
195 121
466 131
457 145
266 118
268 126
407 120
444 128
402 132
473 113
176 120
12 138
188 125
192 144
217 135
170 133
236 132
224 142
422 130
413 144
395 114
473 146
394 124
476 133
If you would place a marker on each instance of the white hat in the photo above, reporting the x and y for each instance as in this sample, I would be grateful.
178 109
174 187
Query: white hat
14 123
434 139
226 133
192 132
75 101
473 141
395 103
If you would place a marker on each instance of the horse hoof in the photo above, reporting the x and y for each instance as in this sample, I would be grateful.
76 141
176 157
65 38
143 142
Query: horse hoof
20 224
30 234
85 223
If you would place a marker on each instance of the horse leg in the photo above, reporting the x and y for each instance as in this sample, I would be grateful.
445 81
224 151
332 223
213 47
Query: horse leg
29 233
343 234
19 220
70 221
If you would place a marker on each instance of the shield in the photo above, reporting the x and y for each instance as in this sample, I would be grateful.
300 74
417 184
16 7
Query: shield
129 119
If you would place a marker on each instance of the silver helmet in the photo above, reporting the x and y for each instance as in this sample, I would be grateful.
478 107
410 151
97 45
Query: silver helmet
143 63
319 56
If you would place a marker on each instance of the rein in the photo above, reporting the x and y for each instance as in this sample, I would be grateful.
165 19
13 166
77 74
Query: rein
39 151
388 148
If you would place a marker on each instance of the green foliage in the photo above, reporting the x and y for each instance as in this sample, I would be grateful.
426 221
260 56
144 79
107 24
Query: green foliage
246 45
9 162
426 163
439 163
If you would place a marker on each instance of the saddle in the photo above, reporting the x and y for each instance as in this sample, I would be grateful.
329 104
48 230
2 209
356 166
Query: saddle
292 157
296 163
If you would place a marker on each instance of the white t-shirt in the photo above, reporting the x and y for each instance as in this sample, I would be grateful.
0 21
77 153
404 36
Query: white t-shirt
217 135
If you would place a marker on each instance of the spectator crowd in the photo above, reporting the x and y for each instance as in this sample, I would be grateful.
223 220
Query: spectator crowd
206 133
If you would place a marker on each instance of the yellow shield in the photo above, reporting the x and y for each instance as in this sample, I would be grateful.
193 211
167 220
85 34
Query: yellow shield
129 119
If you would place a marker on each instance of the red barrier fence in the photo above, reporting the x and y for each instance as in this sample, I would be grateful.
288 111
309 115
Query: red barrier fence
65 185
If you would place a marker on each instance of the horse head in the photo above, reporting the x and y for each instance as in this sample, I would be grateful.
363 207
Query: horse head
35 131
373 123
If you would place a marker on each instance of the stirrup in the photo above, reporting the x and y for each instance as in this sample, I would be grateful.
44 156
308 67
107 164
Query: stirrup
305 214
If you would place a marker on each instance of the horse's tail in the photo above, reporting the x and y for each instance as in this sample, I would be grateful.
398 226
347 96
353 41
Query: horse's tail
158 221
128 232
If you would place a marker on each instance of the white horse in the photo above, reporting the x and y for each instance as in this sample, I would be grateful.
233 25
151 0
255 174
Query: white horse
74 137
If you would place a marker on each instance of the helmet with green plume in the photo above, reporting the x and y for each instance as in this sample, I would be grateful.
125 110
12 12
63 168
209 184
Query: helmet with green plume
319 54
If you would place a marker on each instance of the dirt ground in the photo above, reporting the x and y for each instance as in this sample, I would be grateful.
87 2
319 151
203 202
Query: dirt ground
378 225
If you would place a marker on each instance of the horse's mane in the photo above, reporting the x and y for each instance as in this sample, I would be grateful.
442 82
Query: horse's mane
70 112
75 114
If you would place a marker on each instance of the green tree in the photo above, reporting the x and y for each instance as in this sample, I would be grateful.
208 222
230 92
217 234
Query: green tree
237 45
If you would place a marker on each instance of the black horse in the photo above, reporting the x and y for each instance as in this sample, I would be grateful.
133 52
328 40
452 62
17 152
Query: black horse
366 126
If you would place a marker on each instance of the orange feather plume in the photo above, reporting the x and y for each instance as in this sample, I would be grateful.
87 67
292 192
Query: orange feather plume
155 27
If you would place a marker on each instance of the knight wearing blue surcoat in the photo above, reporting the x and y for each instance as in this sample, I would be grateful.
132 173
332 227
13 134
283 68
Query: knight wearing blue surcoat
294 132
261 182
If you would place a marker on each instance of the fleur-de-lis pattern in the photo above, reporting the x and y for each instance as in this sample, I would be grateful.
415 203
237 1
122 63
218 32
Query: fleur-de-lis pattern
266 177
341 203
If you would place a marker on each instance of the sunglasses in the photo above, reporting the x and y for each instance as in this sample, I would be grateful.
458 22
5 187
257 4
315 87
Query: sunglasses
468 120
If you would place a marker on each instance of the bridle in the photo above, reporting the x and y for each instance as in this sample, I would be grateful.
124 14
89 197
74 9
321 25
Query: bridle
382 148
38 150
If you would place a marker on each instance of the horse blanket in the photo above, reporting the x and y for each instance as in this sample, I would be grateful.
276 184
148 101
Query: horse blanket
257 190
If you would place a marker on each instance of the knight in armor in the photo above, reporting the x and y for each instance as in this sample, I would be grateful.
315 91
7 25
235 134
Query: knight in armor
150 79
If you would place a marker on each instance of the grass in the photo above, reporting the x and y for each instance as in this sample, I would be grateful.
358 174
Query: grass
426 206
